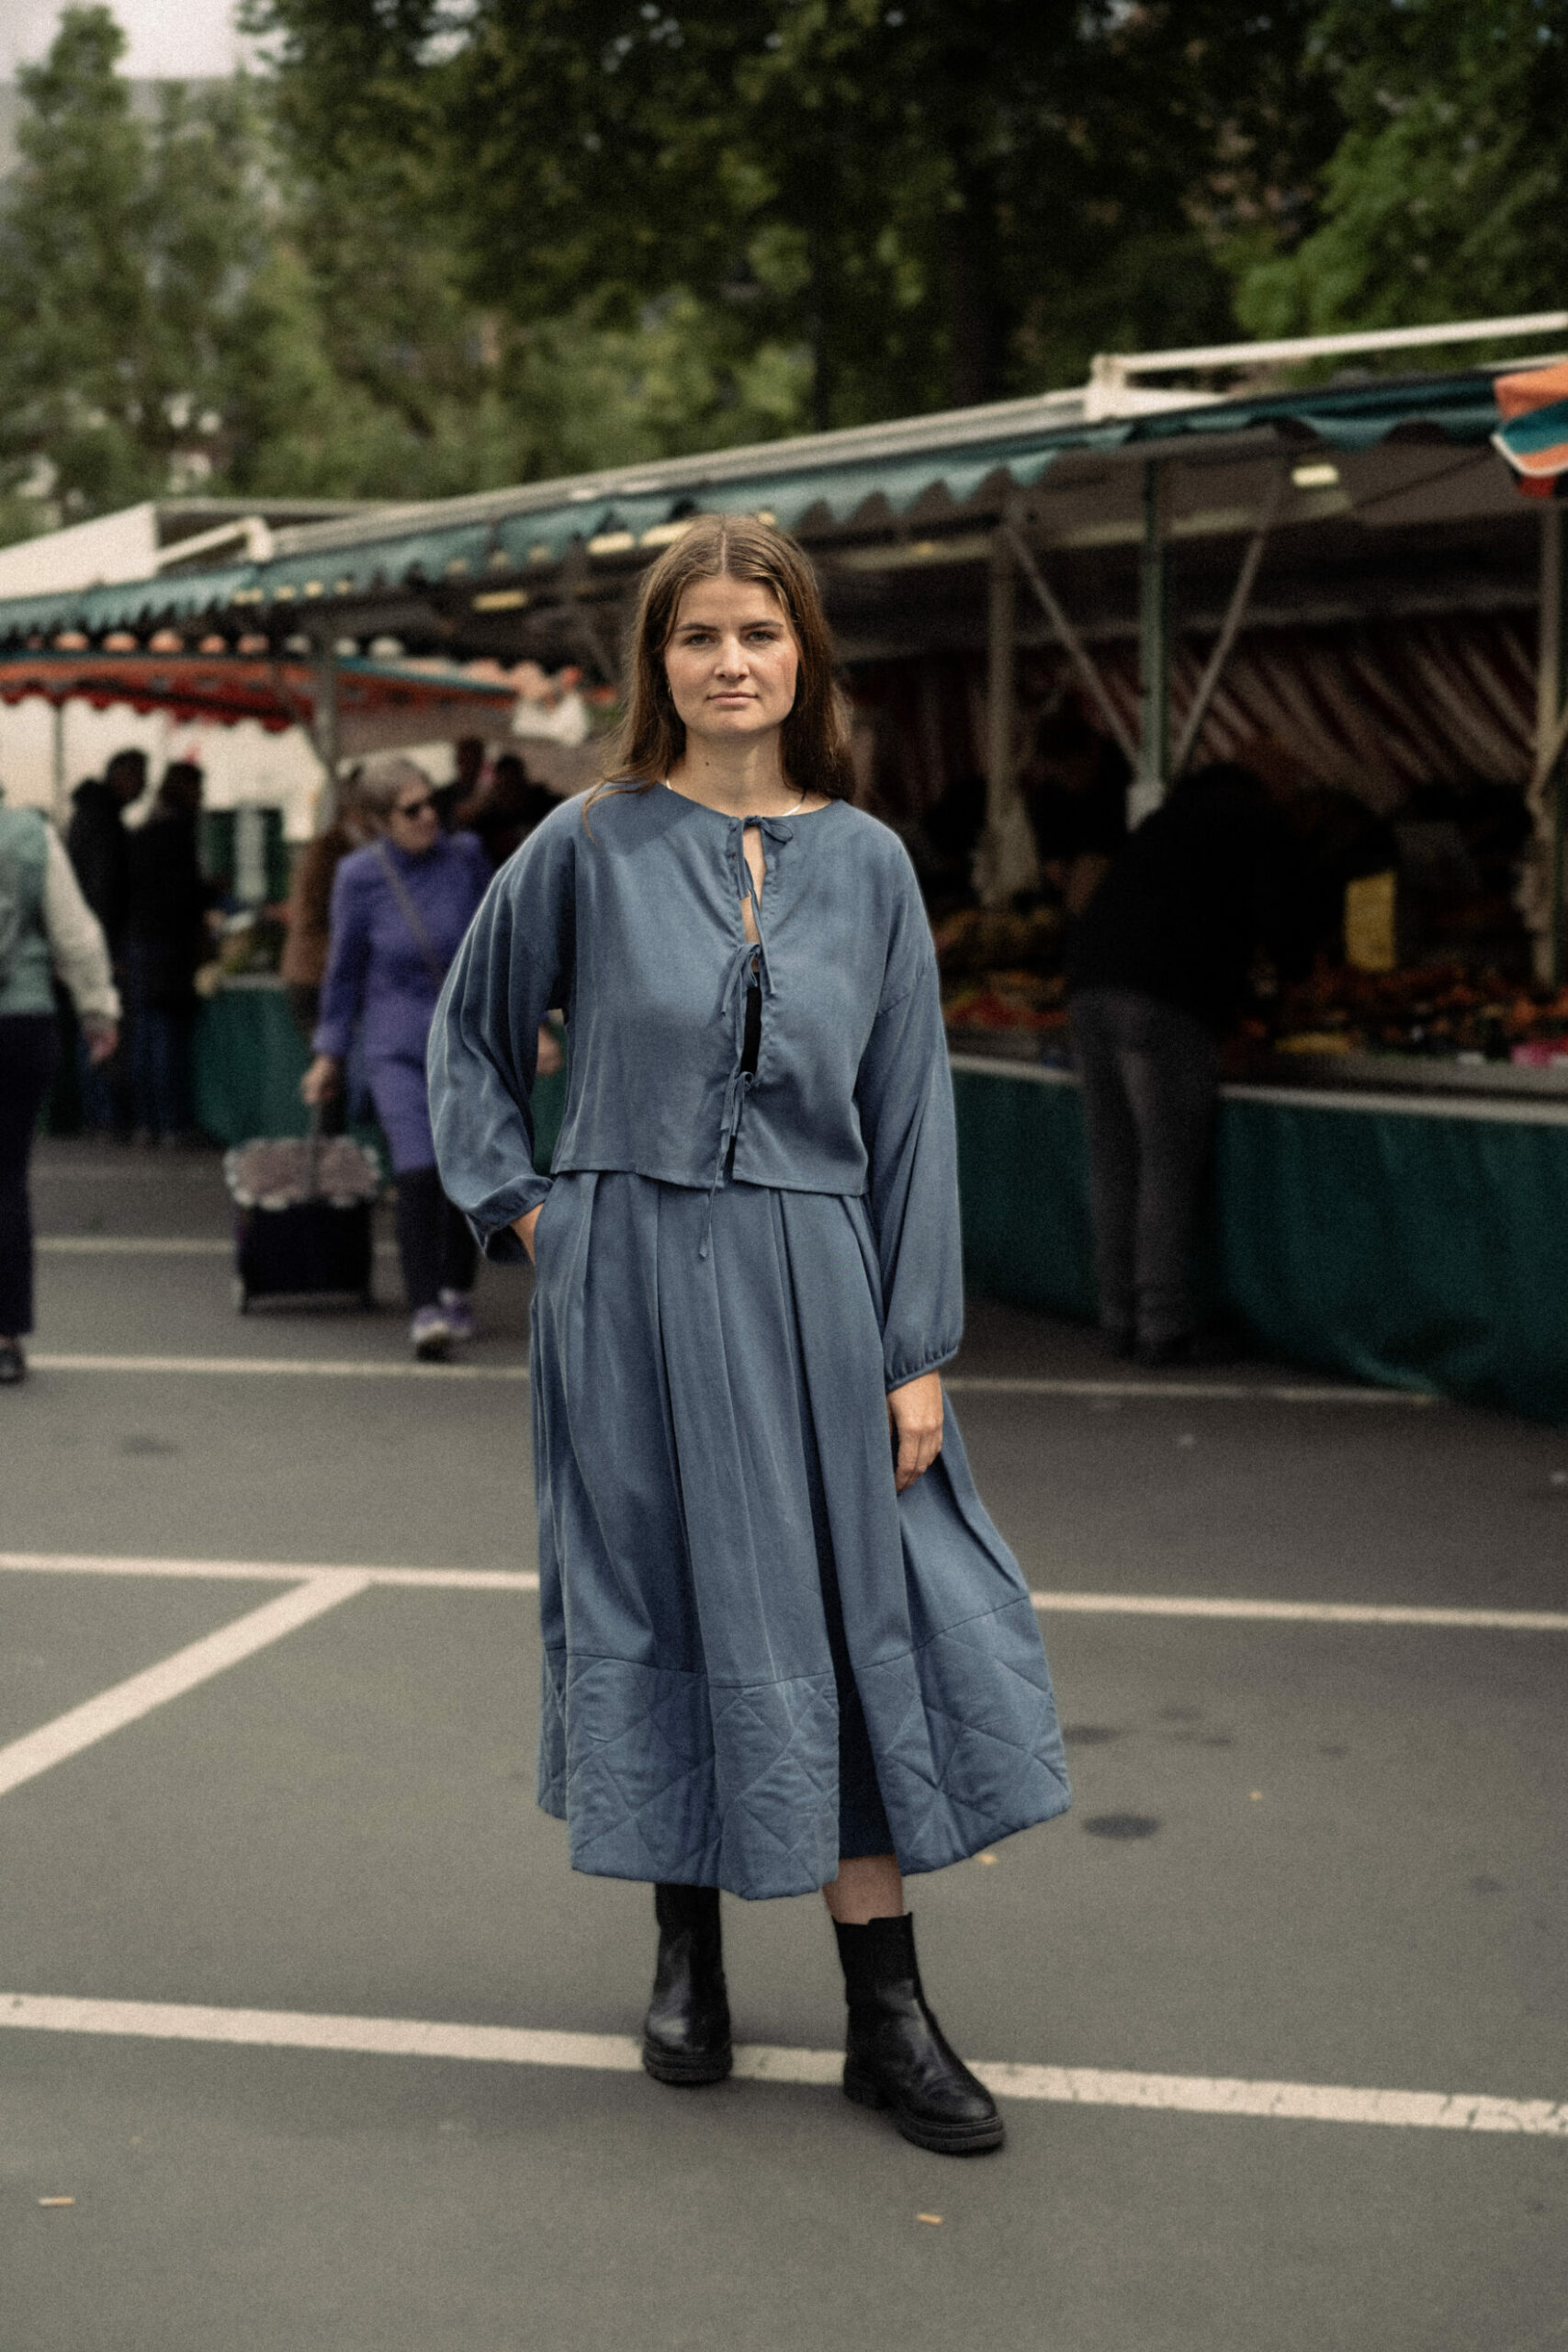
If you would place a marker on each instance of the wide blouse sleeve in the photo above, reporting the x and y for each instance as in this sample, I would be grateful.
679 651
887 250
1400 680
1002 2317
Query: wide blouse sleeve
348 961
514 964
905 1095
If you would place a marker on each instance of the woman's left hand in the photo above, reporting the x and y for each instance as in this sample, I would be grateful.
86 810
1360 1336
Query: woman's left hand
914 1416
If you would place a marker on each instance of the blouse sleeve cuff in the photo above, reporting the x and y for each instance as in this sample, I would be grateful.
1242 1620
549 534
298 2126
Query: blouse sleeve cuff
901 1370
493 1227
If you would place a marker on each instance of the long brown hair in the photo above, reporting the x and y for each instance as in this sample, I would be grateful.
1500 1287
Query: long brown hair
814 746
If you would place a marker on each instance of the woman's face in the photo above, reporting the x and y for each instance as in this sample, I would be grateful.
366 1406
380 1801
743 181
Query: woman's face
731 661
411 822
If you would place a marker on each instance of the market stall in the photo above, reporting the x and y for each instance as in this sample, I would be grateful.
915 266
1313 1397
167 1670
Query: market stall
1345 566
247 1058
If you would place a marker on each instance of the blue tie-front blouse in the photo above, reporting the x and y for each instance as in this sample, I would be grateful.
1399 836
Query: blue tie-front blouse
628 915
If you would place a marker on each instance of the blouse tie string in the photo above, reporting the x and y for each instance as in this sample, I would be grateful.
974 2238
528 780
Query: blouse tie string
750 954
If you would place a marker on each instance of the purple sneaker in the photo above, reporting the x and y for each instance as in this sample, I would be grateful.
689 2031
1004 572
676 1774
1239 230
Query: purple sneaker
430 1335
457 1306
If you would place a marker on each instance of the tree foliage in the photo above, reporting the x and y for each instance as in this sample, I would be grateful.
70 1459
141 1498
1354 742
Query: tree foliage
933 203
1447 195
440 244
126 255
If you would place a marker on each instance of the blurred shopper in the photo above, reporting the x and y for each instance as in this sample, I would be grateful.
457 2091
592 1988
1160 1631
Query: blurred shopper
165 946
784 1647
99 849
46 928
1075 792
1158 968
400 908
457 801
308 919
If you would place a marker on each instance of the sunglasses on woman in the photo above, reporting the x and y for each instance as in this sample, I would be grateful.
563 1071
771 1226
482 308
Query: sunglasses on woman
414 808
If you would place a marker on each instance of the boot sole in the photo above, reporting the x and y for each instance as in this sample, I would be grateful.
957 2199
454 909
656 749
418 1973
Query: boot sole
686 2073
937 2140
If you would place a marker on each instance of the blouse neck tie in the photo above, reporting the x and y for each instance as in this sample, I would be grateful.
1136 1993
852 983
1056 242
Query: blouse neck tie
750 954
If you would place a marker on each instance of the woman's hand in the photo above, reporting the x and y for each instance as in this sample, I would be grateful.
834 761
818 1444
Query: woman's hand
550 1054
321 1080
102 1039
914 1416
523 1227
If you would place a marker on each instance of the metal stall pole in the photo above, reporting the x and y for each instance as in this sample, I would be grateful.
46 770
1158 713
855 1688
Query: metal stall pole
324 730
1547 782
1005 861
57 749
1148 789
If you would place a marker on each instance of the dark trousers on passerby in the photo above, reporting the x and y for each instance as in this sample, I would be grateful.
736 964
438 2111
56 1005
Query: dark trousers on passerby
101 1086
1150 1076
160 1021
159 1072
29 1051
438 1250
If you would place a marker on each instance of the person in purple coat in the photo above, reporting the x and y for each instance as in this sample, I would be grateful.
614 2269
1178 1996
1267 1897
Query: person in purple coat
400 909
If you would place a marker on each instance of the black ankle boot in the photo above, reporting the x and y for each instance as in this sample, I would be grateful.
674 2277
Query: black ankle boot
685 2037
896 2055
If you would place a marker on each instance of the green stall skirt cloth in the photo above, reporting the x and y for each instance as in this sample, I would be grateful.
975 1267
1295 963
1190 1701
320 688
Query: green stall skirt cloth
1420 1248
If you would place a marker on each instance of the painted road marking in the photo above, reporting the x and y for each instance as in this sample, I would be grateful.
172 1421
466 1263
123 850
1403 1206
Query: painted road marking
281 1367
1303 1612
1181 1392
85 1725
1188 1392
760 2063
90 1563
1081 1604
147 1244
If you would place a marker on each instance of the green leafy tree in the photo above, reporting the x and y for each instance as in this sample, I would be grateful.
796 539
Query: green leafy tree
127 254
1447 195
930 203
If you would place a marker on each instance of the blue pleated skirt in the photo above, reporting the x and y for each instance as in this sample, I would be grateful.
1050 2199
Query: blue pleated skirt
757 1656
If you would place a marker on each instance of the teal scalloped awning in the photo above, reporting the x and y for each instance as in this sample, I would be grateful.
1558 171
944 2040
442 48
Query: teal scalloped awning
796 490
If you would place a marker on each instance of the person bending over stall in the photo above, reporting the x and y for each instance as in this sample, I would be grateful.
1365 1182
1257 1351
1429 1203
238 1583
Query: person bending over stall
399 908
784 1648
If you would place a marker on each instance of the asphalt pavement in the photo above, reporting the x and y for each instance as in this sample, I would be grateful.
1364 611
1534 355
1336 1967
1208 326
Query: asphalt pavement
310 2040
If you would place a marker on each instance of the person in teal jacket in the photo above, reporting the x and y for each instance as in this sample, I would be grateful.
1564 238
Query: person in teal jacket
784 1648
46 927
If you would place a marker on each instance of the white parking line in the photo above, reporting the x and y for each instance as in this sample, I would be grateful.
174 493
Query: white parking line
617 2055
1174 1392
148 1245
94 1563
1190 1392
282 1367
85 1725
1078 1604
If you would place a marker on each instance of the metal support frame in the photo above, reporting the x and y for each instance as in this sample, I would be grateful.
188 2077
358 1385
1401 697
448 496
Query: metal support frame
1078 652
1230 628
1154 654
57 763
1548 784
325 733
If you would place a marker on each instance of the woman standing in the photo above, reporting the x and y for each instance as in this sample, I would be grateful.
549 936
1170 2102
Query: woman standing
399 908
784 1647
46 926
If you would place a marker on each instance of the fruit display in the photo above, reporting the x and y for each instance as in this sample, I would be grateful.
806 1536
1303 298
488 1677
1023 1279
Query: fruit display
1438 1010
